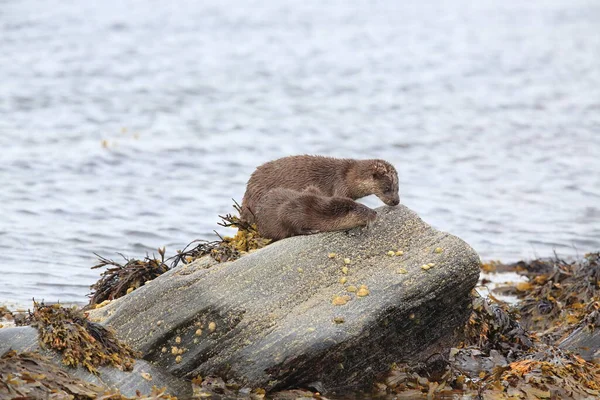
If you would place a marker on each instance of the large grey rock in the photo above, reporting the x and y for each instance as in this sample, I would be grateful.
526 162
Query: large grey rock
272 313
26 339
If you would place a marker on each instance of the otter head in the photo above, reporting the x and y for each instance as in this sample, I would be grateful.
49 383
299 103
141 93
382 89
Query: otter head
381 179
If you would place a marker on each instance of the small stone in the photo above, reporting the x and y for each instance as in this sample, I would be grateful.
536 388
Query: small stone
351 289
158 323
339 320
347 261
438 250
331 255
391 253
399 253
178 359
362 292
402 271
198 332
146 376
178 340
343 280
164 349
212 326
339 301
344 270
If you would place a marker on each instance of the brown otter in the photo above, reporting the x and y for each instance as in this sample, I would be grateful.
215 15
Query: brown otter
330 176
283 213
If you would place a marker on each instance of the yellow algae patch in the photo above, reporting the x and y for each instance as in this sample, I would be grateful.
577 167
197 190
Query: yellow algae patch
339 320
178 359
146 376
425 267
344 270
341 300
301 270
399 253
212 326
100 305
391 253
131 289
343 280
402 271
198 332
362 291
331 255
438 250
178 340
347 261
351 289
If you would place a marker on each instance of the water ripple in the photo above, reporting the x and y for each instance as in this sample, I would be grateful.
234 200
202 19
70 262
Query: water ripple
135 128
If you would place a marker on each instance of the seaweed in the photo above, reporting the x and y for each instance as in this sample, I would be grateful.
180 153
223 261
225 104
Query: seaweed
559 296
227 248
80 341
497 359
120 279
32 376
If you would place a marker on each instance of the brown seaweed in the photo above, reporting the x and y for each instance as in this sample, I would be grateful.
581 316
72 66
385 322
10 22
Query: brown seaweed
80 341
119 279
31 376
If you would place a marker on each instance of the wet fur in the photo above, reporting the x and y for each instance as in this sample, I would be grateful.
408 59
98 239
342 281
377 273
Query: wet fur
283 213
327 176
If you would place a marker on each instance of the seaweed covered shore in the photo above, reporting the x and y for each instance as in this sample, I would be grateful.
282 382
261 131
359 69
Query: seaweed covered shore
505 351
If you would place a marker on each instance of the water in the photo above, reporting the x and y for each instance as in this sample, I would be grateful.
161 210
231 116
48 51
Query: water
129 125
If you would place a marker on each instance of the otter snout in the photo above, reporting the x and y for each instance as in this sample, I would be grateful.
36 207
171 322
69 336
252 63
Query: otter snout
391 201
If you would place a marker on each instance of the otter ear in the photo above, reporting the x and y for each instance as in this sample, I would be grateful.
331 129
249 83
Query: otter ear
379 169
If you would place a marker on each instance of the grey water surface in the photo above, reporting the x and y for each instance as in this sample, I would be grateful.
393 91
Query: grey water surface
128 125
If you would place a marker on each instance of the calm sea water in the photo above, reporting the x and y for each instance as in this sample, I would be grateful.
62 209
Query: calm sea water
128 125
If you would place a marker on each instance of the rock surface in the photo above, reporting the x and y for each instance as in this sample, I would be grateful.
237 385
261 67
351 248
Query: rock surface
269 319
585 342
26 339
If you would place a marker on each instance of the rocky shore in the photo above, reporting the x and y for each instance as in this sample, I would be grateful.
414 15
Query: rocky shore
387 311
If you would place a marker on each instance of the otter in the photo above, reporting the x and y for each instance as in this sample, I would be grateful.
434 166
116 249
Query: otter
333 177
282 213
